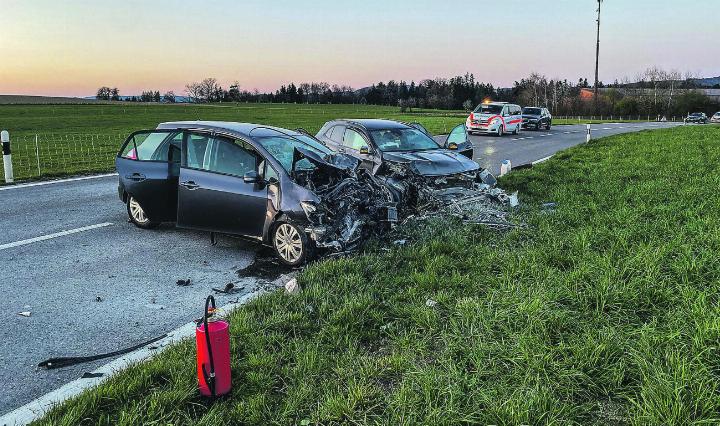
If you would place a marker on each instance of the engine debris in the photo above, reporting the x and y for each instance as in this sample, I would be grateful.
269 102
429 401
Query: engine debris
356 204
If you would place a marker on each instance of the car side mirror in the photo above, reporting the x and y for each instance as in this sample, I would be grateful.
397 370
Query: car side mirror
452 146
251 177
364 150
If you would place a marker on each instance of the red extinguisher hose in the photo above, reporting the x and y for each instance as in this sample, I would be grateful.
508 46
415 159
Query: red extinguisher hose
209 379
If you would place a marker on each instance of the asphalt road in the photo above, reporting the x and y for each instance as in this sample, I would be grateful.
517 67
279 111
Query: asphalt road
59 280
110 285
533 145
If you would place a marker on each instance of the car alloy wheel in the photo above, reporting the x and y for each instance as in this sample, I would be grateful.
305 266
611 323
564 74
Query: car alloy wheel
138 216
500 131
136 212
289 244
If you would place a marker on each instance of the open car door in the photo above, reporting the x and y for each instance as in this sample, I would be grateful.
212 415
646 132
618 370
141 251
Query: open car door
148 165
458 140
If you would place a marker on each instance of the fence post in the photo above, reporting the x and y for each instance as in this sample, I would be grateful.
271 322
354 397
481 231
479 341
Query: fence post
37 154
587 139
7 157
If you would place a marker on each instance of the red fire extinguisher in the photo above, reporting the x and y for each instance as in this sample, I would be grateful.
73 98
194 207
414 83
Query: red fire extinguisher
213 353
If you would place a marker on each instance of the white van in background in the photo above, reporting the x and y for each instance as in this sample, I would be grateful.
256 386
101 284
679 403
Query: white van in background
495 118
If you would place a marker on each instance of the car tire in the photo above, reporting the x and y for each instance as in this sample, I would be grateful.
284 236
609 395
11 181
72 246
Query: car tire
137 215
499 132
291 244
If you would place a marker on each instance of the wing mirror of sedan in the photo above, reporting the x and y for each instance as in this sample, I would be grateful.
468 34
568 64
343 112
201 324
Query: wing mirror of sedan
251 177
364 150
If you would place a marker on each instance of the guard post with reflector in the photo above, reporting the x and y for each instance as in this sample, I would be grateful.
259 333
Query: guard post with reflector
7 157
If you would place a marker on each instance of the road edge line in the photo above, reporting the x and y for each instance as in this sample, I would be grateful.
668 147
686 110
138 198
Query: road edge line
38 407
54 181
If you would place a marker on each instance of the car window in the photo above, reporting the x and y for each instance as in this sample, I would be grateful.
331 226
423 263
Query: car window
163 151
354 140
232 157
197 145
488 109
337 134
143 146
282 149
402 139
458 135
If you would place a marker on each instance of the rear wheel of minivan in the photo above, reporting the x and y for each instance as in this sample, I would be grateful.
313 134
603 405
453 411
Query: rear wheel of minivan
137 215
292 245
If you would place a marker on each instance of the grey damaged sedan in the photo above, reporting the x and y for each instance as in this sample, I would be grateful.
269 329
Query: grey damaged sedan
278 187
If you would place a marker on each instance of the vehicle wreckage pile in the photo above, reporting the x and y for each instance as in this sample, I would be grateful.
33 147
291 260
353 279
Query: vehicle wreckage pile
356 204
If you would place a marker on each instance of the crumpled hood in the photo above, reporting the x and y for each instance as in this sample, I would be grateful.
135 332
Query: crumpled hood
437 162
335 162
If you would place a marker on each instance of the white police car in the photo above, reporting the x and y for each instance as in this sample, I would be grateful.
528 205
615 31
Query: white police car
495 118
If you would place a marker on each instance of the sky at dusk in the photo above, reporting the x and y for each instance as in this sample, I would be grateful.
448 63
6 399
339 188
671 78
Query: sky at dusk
72 47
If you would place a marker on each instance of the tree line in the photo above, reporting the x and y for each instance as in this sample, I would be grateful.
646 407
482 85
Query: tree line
652 92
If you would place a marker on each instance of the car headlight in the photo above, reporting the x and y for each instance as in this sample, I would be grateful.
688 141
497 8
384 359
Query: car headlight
308 207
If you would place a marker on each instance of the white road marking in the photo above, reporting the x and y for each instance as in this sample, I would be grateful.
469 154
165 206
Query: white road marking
542 159
567 133
50 182
608 128
51 236
529 137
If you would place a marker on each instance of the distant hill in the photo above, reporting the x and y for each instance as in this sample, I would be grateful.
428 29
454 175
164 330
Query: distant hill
707 82
25 99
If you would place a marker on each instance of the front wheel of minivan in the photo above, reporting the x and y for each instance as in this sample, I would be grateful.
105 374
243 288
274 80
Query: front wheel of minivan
292 245
138 216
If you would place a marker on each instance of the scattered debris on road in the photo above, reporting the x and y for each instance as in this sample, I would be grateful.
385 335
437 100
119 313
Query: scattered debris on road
228 289
292 287
88 375
98 299
183 283
25 313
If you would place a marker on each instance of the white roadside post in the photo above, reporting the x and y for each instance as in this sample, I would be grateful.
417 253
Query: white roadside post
505 167
588 134
7 158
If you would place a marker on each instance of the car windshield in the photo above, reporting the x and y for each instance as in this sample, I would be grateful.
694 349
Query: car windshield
531 111
695 114
282 147
489 109
395 140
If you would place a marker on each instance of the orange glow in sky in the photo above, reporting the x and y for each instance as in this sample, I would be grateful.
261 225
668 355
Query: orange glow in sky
73 47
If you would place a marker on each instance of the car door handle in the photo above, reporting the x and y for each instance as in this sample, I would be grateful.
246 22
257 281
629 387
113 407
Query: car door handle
190 185
136 177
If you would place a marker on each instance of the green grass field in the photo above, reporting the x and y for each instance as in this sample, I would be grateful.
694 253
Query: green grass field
603 311
76 139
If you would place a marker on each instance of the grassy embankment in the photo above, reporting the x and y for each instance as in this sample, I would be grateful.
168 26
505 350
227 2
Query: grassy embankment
604 311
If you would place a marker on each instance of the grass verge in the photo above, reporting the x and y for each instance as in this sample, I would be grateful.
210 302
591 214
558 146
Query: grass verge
604 311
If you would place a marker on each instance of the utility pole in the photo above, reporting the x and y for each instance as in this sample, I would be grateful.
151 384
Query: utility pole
597 57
